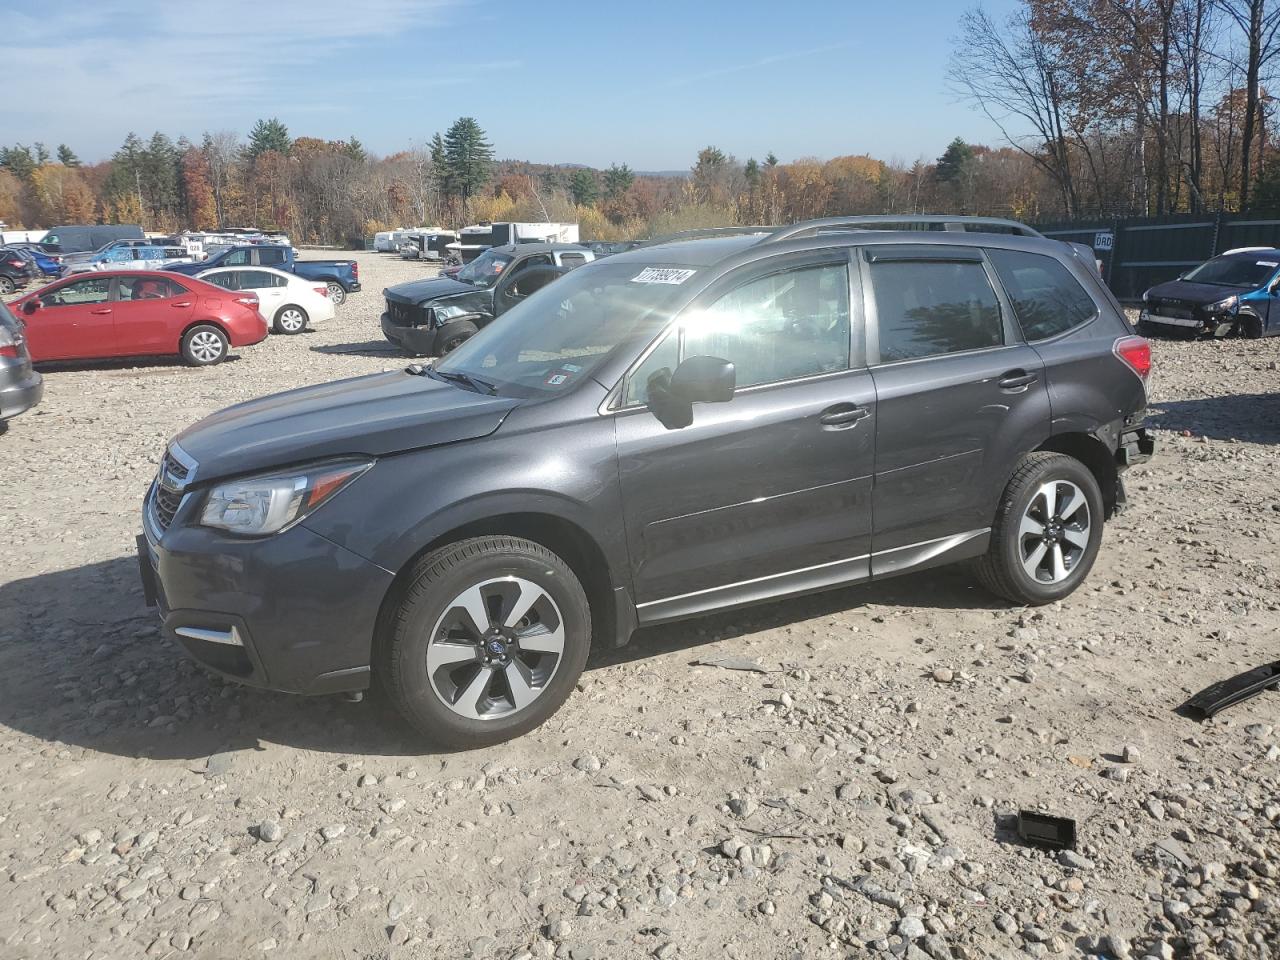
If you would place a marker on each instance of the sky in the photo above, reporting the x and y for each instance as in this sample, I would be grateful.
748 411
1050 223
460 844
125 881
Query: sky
647 84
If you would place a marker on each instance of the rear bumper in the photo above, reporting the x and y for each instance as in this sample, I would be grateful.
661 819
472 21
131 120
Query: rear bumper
1137 445
20 397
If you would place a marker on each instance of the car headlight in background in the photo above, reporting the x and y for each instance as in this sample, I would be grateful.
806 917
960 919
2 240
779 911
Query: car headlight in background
1224 305
262 505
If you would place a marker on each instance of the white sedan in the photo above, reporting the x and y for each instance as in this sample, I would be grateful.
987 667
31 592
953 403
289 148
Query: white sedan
286 301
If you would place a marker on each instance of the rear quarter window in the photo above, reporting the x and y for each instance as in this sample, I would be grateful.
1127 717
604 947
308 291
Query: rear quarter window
1047 299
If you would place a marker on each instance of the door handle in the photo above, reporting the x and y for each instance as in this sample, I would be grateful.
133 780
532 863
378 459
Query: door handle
181 303
1017 380
98 313
843 415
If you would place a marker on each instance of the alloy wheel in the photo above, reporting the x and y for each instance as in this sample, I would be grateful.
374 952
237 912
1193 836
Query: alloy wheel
206 346
1054 533
495 648
292 320
337 293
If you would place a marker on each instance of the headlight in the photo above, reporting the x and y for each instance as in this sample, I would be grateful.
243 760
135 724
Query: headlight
262 505
1224 305
445 312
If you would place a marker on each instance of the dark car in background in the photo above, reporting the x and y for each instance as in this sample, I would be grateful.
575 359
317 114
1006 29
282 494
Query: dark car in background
20 386
16 271
46 264
85 238
431 317
671 431
1234 294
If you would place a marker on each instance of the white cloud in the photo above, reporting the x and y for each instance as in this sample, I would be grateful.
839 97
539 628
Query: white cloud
87 74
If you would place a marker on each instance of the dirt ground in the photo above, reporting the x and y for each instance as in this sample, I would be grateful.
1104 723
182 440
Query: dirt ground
852 793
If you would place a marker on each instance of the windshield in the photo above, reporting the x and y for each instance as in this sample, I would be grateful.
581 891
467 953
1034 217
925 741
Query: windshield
485 269
560 335
1239 271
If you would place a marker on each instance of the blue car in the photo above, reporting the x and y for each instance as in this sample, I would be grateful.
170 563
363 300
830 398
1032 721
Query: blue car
1236 293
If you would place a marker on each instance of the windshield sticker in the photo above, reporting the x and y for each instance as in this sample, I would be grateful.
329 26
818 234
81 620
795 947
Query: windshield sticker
663 275
556 379
1267 263
571 367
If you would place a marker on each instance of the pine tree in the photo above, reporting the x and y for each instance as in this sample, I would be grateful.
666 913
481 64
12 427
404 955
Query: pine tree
42 154
771 160
355 150
954 162
123 187
66 157
583 188
617 181
468 157
752 172
268 135
19 161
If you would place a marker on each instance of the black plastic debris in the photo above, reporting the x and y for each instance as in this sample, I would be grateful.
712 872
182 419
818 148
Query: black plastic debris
1042 830
1229 692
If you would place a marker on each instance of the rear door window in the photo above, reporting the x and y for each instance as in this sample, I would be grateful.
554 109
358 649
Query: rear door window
269 256
237 258
228 281
929 308
1047 299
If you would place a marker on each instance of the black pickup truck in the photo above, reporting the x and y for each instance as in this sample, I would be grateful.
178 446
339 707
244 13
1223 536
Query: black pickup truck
431 317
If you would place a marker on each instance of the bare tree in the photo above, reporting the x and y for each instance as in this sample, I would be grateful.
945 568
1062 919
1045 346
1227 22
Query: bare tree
1012 75
1260 27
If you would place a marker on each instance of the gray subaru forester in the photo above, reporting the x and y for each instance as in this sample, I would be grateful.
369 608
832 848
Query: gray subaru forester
678 429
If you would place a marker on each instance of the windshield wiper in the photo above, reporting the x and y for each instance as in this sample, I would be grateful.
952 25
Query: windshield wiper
474 383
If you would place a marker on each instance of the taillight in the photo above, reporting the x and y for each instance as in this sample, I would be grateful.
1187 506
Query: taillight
323 291
249 300
1136 354
17 263
355 269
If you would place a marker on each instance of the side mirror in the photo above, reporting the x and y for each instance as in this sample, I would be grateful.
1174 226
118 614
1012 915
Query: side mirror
697 380
31 306
1275 285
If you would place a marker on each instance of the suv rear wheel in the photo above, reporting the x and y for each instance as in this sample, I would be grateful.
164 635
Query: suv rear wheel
1047 531
488 640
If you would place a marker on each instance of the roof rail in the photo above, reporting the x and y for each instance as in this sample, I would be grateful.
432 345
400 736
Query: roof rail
705 233
811 228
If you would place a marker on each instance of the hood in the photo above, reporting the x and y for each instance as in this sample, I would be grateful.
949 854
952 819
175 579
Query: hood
1199 294
378 414
420 291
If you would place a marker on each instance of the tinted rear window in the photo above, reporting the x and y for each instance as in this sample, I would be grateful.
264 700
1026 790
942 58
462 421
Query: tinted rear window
927 308
1047 299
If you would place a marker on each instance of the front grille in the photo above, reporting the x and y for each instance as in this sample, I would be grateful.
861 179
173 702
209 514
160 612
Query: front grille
170 487
1174 309
406 314
166 505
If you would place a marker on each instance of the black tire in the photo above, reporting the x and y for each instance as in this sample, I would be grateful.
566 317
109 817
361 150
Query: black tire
337 292
401 659
204 345
6 286
453 335
287 317
1250 327
1001 570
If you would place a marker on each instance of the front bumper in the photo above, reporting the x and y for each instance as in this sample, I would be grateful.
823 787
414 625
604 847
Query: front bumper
293 612
1194 322
418 341
20 397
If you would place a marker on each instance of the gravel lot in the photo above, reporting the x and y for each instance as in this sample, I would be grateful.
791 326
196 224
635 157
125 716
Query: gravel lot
853 792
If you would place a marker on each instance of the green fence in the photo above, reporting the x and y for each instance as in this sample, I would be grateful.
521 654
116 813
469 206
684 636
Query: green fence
1138 253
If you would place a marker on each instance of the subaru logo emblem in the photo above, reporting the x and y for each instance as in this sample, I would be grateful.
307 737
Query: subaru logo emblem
496 647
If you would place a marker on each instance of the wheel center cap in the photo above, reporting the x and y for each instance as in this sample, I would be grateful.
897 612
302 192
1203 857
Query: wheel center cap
496 647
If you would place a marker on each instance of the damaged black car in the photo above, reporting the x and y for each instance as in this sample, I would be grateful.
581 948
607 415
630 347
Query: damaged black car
429 318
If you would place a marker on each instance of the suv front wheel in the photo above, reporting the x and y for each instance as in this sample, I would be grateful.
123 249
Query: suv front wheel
489 638
1047 531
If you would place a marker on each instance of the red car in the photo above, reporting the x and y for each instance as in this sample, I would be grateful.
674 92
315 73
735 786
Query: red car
130 313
